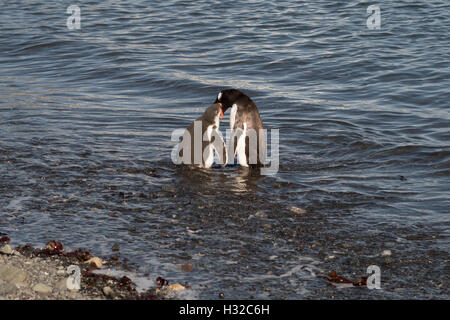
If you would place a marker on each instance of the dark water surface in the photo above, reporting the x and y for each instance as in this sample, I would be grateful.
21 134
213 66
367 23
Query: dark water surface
86 118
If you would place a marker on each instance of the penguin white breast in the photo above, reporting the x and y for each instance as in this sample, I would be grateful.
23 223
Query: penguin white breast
233 113
240 148
208 153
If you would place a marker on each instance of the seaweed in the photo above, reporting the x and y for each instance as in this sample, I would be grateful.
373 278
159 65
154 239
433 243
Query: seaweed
161 282
5 239
334 278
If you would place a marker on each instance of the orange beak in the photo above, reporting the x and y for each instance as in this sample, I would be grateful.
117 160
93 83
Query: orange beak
221 111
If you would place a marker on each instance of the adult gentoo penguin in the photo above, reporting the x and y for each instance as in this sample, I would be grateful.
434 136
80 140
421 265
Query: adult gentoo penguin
248 139
202 139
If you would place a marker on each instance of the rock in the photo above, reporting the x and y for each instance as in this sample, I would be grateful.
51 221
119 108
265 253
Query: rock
73 295
7 288
54 246
109 293
187 267
261 214
267 226
61 285
61 272
12 274
42 288
16 253
388 260
21 285
97 261
297 210
6 249
176 287
386 253
170 189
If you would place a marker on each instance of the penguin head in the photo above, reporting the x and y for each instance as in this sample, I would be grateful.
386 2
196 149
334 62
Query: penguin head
226 98
214 111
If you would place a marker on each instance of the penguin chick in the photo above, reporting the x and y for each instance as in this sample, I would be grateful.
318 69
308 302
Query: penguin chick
202 139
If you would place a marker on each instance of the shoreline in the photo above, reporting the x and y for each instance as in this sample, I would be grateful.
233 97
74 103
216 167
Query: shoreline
28 273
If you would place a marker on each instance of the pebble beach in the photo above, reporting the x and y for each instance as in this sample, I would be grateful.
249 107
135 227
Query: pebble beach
27 273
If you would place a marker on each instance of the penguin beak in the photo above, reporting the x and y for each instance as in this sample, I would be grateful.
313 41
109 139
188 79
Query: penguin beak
221 111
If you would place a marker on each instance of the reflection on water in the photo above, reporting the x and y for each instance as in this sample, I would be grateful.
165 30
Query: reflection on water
216 181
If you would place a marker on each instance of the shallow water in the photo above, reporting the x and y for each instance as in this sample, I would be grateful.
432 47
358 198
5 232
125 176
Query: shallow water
86 118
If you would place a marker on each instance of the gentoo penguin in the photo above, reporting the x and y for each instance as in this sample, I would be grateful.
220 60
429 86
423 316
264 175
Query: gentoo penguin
248 139
202 139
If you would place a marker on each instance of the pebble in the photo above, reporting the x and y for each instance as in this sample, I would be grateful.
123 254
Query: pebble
260 214
21 285
6 249
176 287
42 288
388 260
297 210
7 288
187 267
12 274
74 295
61 285
61 272
109 292
170 189
386 253
97 261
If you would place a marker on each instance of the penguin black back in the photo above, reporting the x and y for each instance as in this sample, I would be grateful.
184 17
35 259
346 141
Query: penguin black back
244 116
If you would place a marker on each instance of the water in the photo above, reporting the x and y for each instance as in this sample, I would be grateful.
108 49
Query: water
86 117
